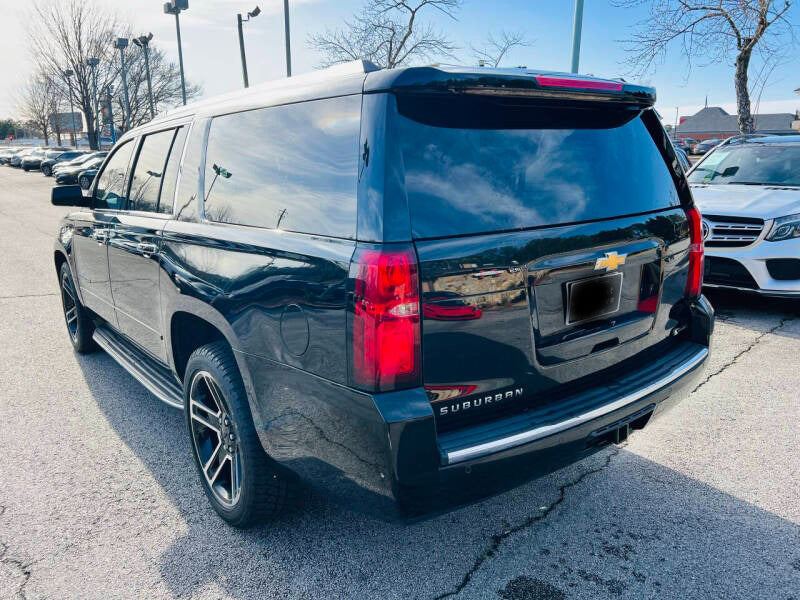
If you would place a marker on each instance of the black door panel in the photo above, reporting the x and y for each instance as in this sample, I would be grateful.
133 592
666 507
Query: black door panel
89 242
133 267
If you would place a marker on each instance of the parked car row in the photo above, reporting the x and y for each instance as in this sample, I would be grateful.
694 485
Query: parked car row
696 147
66 165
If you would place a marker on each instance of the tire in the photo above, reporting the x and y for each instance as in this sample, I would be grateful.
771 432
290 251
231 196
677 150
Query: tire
213 381
80 326
47 171
84 182
26 169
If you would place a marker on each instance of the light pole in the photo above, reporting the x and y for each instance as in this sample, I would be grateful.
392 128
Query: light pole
120 44
286 37
577 26
174 7
68 73
92 64
143 41
239 20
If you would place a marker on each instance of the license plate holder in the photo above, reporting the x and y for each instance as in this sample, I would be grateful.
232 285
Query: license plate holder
592 298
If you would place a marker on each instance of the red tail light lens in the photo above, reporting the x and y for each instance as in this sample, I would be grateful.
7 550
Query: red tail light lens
694 281
386 323
578 84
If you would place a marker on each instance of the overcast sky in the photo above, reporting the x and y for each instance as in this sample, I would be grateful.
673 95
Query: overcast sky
211 53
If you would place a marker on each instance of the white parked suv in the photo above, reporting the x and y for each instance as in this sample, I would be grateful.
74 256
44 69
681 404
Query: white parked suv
748 191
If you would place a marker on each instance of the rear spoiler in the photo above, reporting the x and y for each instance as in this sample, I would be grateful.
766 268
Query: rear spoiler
510 83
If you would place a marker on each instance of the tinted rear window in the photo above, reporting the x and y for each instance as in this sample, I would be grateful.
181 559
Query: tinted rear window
291 167
474 166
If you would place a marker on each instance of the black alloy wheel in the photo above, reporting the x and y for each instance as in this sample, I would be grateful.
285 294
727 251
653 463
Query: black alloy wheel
79 324
242 483
214 439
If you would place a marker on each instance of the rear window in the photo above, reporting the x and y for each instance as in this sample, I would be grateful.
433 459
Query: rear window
291 167
482 165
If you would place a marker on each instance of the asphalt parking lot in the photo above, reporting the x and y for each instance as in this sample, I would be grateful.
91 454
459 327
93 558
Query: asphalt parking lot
99 497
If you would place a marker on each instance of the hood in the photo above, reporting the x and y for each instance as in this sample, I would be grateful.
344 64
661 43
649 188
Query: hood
764 202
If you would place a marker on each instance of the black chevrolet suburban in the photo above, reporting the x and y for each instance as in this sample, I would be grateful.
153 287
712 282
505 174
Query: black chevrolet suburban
410 288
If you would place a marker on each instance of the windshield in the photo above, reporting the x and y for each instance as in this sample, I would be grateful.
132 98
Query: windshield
750 165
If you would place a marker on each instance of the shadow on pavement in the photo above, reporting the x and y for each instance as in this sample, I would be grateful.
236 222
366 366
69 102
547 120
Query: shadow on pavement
616 525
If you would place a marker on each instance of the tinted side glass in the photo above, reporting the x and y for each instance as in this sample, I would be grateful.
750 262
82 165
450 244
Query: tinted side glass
189 174
477 165
149 171
171 173
111 181
291 167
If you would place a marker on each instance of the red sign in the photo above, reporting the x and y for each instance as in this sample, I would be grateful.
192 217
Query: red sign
9 137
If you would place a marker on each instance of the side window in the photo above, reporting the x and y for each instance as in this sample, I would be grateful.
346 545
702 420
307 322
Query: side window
111 180
291 167
148 173
171 173
189 173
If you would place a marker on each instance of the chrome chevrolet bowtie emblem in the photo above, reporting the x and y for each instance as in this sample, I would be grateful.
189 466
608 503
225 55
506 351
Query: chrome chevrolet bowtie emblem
610 261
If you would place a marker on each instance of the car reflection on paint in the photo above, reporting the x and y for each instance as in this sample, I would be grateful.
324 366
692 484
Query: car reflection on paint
448 306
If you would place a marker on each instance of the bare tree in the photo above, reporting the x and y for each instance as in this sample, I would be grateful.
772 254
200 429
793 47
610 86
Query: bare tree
388 33
716 30
66 34
38 104
166 83
495 49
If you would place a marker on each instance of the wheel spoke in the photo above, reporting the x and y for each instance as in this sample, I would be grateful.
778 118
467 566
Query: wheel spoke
72 315
210 461
218 471
235 476
216 396
204 422
68 291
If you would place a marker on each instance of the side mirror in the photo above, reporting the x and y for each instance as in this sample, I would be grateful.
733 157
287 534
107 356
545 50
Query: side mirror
69 195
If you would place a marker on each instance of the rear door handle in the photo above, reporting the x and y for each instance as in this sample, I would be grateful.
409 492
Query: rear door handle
146 248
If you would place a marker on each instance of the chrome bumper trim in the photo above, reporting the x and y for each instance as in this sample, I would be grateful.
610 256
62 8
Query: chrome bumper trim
531 435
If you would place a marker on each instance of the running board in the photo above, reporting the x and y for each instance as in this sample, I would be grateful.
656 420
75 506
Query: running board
155 377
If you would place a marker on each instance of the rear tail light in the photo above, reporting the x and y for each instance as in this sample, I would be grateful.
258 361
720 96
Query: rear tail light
386 319
694 280
578 84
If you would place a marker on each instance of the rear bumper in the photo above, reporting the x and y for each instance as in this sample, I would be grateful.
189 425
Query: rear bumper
380 452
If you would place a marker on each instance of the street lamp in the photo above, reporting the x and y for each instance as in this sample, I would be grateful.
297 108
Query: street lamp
92 64
239 20
174 7
577 26
143 41
120 44
68 73
286 38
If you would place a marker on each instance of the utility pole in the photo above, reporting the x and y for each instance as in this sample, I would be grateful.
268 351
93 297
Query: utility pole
174 7
287 38
121 44
143 41
577 26
675 131
110 104
92 63
239 20
68 73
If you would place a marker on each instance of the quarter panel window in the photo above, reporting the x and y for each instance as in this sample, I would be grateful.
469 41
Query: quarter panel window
171 173
149 171
110 191
291 167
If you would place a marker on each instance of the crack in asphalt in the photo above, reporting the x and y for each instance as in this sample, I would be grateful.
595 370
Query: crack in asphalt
15 564
29 296
499 538
750 346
